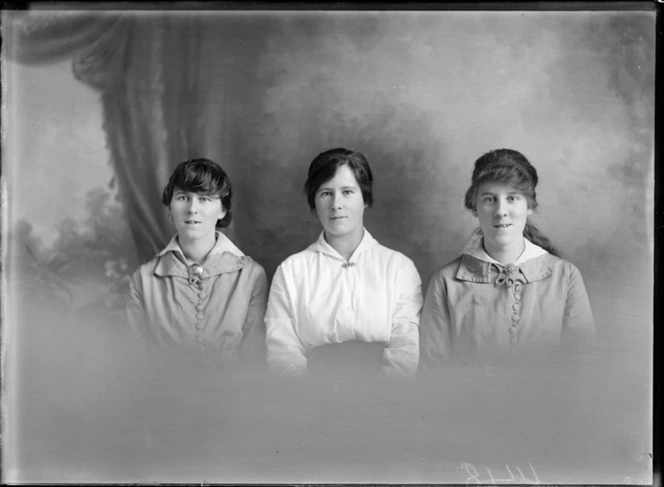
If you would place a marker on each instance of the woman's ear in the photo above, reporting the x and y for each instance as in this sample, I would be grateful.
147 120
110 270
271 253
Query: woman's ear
474 212
222 212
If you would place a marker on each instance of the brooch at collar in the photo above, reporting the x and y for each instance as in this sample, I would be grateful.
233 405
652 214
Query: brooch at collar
508 275
195 271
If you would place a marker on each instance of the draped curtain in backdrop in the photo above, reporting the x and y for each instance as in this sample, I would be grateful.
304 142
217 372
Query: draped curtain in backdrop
160 103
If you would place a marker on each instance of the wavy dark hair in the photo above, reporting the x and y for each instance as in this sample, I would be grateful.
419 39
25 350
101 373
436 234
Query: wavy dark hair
510 167
201 176
325 165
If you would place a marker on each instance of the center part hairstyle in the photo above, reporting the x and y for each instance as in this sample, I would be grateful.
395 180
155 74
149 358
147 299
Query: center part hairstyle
325 166
201 176
507 166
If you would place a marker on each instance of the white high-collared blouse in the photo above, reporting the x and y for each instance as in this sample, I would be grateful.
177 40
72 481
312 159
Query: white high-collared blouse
319 298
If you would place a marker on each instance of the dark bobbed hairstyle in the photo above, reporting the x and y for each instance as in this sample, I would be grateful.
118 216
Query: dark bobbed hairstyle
325 166
510 167
201 176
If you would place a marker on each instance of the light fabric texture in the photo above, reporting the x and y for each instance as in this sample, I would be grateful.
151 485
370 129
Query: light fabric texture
478 310
319 298
475 248
219 316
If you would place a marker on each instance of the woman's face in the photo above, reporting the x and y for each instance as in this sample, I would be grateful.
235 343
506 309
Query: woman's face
195 215
502 212
340 205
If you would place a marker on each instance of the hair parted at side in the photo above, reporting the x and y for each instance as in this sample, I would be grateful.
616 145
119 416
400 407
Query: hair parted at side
201 176
325 166
508 166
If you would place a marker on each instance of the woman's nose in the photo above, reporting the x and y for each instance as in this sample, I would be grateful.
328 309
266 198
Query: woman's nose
501 209
193 206
336 201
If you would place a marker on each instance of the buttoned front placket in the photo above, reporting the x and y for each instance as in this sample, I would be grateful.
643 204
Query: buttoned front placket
349 282
516 314
510 277
196 280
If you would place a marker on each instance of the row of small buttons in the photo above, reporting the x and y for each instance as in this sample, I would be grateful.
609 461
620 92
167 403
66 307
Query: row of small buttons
196 271
516 310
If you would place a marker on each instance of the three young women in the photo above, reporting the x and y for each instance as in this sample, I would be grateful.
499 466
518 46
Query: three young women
509 292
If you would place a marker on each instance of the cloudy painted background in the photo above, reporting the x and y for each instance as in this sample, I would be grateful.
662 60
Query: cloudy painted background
422 95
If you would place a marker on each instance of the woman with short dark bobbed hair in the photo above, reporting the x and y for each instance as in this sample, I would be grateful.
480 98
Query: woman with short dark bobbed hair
201 294
509 293
345 299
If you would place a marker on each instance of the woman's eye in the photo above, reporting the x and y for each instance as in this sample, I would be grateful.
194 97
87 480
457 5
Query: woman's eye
348 191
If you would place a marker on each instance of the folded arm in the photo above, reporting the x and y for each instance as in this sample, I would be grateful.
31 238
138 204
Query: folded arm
253 330
402 353
285 352
435 341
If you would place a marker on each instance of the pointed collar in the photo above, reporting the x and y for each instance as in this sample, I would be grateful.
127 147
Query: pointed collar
224 257
323 247
476 265
222 244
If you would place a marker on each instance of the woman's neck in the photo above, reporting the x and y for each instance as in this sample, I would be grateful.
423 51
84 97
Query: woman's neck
345 245
198 249
505 254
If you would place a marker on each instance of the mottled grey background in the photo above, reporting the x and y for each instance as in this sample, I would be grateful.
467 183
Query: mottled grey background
422 95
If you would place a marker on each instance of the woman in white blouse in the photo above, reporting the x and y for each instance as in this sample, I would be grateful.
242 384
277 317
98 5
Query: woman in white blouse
345 287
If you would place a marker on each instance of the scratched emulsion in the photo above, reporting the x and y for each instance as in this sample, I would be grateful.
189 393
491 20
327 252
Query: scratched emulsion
422 95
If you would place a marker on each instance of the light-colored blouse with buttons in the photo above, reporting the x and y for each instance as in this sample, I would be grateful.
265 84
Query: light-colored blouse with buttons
319 298
215 310
476 307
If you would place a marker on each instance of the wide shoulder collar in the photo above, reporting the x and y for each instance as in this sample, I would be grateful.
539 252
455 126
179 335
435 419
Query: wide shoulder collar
224 257
476 270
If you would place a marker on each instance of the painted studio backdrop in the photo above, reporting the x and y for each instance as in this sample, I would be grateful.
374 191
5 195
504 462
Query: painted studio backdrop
99 108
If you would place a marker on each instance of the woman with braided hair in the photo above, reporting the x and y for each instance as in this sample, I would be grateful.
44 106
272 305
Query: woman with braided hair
509 292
